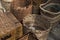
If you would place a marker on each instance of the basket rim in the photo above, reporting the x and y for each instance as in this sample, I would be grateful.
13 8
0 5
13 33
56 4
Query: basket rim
53 13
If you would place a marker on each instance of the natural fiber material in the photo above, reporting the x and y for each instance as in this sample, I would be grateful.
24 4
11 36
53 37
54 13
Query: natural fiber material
51 10
8 27
6 4
21 12
37 25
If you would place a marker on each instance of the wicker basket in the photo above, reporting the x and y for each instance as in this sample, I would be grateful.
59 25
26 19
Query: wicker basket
51 10
37 25
8 30
21 12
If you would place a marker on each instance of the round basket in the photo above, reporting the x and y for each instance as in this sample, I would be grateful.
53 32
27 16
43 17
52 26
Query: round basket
37 26
51 10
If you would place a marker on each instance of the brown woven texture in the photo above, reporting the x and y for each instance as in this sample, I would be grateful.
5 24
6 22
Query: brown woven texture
25 37
21 12
40 26
28 36
8 27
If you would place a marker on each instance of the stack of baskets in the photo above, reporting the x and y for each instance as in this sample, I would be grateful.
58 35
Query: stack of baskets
27 12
